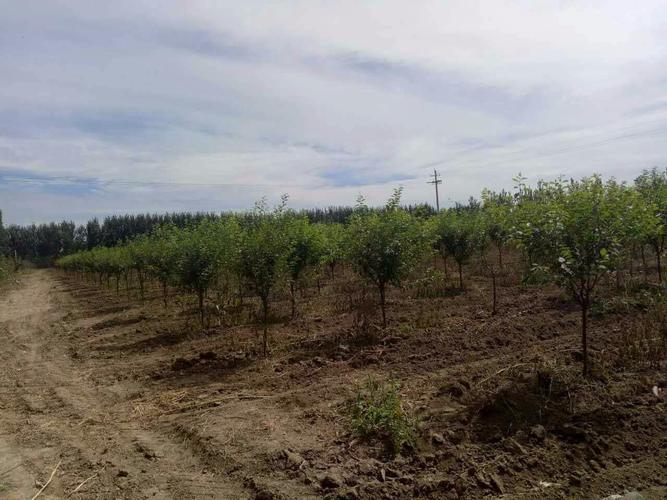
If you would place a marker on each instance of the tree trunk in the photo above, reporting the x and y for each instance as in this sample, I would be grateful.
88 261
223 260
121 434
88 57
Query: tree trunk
141 284
444 265
332 266
200 296
383 305
164 293
493 281
292 297
644 264
500 257
659 263
584 335
460 275
265 319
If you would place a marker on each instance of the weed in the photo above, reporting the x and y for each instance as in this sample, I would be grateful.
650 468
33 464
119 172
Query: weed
537 275
639 297
645 343
378 413
431 286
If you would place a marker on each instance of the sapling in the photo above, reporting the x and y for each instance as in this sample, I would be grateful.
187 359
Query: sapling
262 257
652 186
587 245
384 246
454 234
304 249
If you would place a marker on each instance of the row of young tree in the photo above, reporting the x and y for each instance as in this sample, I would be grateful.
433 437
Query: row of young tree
43 243
5 265
575 232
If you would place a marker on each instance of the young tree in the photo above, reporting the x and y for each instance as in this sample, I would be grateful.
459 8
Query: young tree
115 262
454 233
497 208
139 254
484 231
384 246
304 249
652 185
637 221
201 256
586 234
163 256
333 243
263 247
4 240
535 225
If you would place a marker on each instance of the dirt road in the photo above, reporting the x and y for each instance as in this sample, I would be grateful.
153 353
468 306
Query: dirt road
51 412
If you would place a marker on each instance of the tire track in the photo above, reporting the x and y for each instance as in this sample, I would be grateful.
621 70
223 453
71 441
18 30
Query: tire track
52 411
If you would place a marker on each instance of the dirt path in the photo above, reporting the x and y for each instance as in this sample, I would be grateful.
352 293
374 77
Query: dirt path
51 412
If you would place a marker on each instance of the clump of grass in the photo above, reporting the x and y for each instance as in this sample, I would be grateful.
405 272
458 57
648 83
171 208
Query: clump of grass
432 285
378 413
645 342
639 297
536 275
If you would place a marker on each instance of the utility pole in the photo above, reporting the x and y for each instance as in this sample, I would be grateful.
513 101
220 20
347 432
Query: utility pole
435 182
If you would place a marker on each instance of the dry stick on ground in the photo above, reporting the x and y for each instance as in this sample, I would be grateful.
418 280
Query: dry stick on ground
49 481
82 483
501 371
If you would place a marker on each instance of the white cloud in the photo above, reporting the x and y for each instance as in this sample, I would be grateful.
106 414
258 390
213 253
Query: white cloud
293 95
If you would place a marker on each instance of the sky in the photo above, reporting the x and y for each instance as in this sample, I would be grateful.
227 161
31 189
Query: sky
153 106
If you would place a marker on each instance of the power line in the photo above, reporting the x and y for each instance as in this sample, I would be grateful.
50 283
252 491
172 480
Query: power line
504 157
509 155
74 180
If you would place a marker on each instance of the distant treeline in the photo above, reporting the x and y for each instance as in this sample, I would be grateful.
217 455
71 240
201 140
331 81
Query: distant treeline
43 243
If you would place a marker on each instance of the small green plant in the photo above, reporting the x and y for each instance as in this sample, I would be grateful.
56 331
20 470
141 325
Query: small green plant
431 285
537 275
378 413
640 298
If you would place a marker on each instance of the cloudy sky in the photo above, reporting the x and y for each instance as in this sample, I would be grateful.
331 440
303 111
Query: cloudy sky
130 106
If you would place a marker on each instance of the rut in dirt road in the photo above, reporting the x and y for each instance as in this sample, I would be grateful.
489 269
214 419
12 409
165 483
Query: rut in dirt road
51 412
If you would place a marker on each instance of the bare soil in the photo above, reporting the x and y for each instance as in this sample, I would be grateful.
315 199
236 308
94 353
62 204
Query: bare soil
135 401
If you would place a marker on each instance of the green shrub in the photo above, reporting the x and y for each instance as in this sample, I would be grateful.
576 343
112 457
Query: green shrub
378 413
